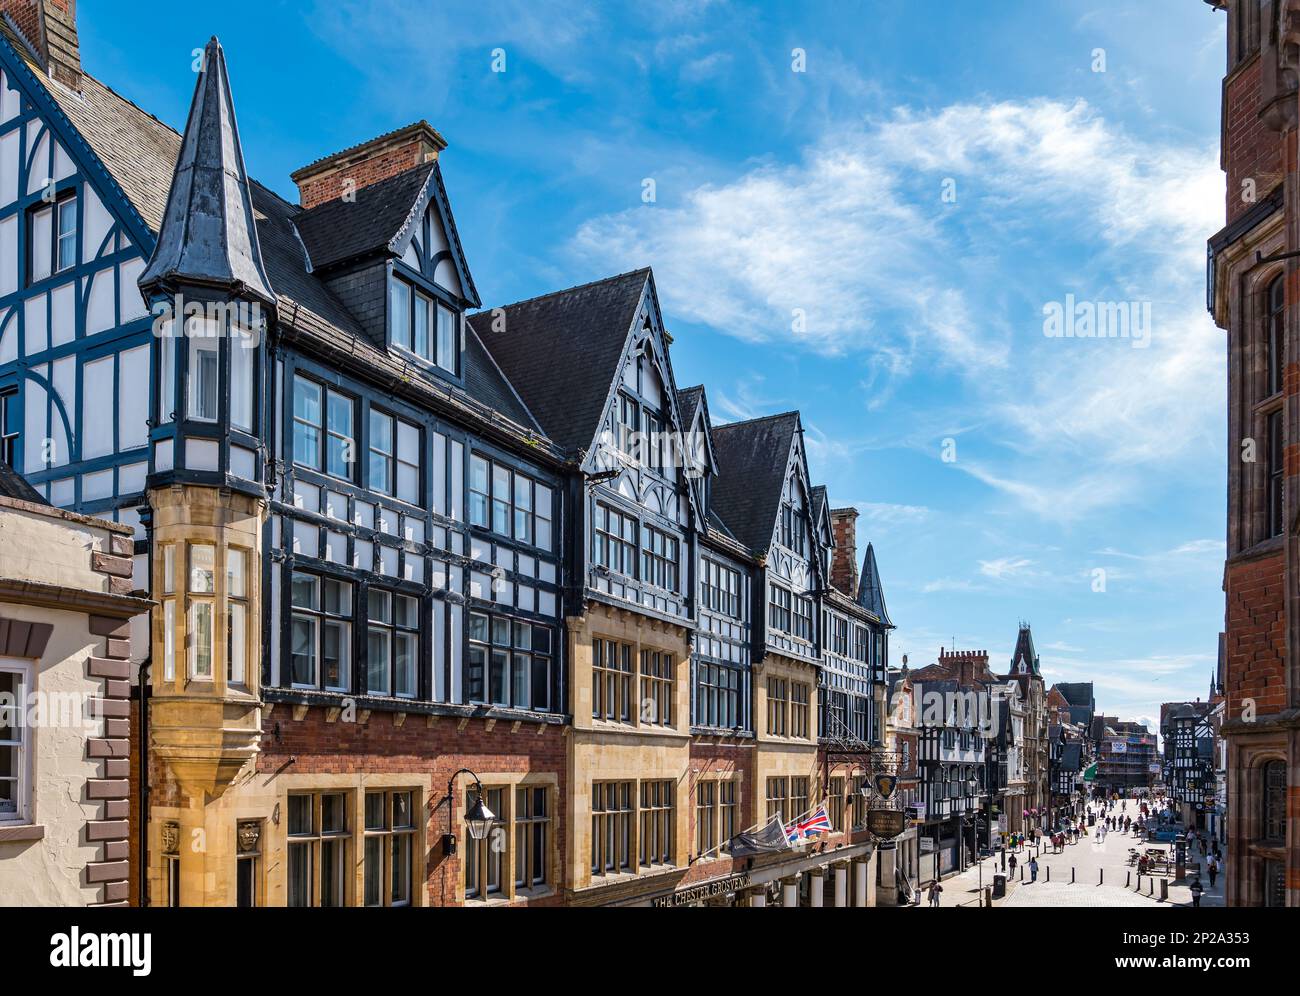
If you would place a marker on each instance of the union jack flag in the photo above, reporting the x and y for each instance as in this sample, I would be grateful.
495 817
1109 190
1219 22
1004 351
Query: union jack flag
814 823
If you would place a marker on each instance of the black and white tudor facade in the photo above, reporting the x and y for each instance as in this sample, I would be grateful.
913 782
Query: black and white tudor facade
354 485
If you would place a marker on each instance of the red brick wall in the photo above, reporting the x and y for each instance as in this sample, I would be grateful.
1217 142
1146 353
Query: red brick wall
844 568
379 746
1256 636
1251 149
25 16
709 761
333 184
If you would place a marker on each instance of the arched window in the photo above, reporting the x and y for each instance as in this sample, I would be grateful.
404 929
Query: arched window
1273 802
1275 335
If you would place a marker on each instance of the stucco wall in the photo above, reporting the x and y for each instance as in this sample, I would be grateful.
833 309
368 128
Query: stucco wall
50 871
51 549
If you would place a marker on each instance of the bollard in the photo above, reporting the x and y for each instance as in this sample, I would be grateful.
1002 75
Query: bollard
1049 873
1128 879
988 897
1072 874
1151 886
1164 890
1101 876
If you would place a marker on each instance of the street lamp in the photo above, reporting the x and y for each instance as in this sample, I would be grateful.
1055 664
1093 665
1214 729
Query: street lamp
478 818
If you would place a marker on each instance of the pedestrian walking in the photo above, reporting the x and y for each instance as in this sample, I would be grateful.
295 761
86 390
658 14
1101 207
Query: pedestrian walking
1033 869
1213 867
1197 889
1011 863
935 889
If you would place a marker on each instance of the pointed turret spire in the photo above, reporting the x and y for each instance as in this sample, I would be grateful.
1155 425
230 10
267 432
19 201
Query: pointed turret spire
871 593
208 235
1024 659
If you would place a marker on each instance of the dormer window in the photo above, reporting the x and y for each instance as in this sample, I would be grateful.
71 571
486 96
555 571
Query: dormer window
420 325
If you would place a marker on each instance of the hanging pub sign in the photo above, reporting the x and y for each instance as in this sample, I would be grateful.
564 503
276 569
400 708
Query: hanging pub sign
886 823
885 785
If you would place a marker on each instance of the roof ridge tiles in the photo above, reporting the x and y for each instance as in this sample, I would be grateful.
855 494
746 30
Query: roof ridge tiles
568 290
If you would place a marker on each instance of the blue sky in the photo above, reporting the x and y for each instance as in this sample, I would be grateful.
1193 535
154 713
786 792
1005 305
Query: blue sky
807 257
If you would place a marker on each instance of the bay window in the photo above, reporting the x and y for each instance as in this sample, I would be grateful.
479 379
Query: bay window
204 387
236 616
202 575
242 354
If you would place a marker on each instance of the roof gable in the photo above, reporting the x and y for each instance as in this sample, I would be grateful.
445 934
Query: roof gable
92 141
387 218
754 459
368 221
563 352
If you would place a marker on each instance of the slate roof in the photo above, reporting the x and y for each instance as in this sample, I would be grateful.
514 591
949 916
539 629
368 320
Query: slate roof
561 351
1024 651
752 457
14 485
340 230
1072 755
871 591
688 400
819 501
208 234
1077 693
140 153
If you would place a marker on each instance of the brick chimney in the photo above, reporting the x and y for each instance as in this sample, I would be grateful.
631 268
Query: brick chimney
50 29
967 667
361 165
844 558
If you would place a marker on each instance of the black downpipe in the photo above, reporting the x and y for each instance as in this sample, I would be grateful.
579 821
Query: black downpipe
143 830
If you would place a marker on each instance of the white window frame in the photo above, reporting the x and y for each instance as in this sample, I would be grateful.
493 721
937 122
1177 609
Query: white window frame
20 744
206 339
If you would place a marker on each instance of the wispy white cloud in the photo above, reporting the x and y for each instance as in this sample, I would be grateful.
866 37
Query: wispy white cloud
887 514
1004 568
853 250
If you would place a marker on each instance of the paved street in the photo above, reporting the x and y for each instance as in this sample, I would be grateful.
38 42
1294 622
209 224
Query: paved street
1101 877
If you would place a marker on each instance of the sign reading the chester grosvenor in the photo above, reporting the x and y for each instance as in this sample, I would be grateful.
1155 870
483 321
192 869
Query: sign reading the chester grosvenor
886 823
705 890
